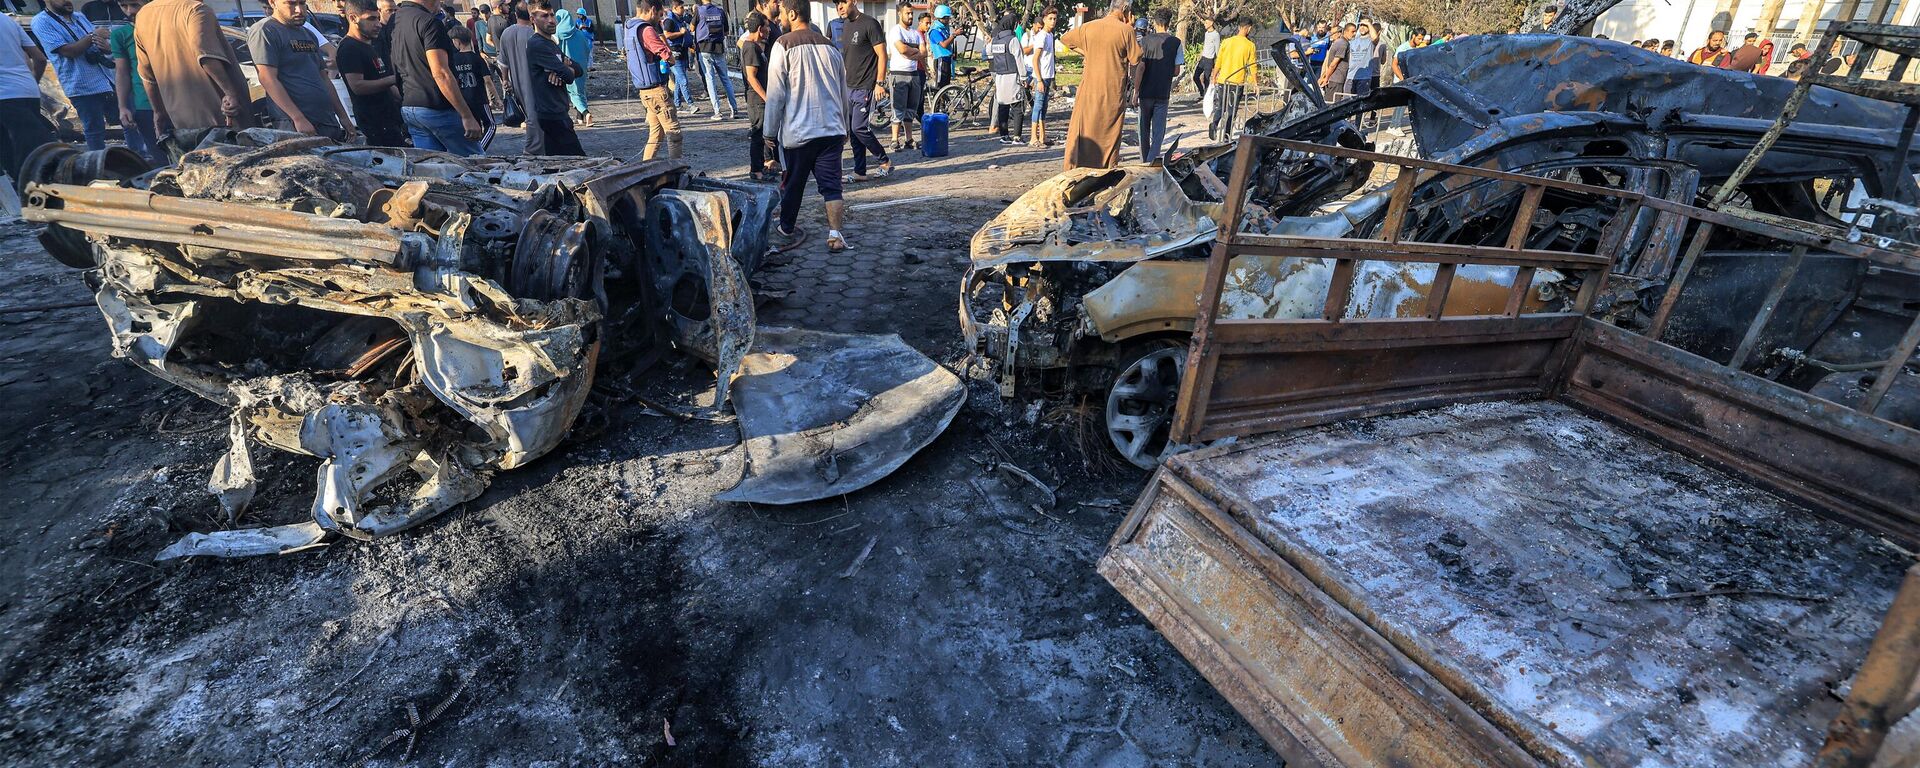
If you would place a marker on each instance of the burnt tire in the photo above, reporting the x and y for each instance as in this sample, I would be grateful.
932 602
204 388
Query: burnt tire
1140 399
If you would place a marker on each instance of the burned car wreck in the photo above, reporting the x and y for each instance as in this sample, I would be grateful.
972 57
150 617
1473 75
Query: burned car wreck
409 314
1087 286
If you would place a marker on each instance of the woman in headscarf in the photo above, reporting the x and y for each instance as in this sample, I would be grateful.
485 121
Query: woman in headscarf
573 30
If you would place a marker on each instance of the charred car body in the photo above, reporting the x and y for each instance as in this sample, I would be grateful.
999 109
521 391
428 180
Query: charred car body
1088 284
394 310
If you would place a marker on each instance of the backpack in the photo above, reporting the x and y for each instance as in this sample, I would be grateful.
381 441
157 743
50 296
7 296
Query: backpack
1004 53
710 23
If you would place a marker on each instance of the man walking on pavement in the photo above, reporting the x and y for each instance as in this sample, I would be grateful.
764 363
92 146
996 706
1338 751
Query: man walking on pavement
80 58
288 60
1161 54
22 127
653 62
906 57
1108 52
192 76
371 84
1209 49
710 39
430 102
864 50
807 106
1237 69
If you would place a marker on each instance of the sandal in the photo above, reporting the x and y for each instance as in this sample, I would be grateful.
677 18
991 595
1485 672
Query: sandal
836 242
782 242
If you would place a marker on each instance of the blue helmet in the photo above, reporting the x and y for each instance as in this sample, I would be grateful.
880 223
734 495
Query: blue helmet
942 12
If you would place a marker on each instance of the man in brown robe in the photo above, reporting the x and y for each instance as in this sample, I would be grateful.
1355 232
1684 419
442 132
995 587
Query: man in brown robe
1110 51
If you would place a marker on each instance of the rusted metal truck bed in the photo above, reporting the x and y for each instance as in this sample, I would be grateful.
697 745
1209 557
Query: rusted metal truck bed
1505 583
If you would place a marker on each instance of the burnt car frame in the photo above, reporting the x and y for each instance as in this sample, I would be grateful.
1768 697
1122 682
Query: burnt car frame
1087 285
393 311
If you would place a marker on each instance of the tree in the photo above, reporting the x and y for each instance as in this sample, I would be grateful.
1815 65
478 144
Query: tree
1464 17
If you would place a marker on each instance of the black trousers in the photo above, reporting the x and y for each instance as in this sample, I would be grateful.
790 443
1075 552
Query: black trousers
1202 75
556 137
756 136
819 158
22 130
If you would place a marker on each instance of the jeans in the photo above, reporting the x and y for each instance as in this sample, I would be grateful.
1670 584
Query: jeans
141 137
22 129
819 158
1041 87
92 109
438 130
1203 75
681 95
860 129
714 66
1153 128
663 123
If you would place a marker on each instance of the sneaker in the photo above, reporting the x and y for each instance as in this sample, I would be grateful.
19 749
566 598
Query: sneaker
716 118
733 114
1009 141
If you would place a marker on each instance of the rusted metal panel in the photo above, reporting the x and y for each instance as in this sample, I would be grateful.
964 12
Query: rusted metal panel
1886 689
1318 684
1598 614
1860 469
1275 376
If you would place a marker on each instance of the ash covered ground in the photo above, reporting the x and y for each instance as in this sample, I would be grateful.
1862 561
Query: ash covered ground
594 607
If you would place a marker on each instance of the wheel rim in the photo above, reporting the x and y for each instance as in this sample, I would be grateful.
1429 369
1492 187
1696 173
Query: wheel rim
1140 405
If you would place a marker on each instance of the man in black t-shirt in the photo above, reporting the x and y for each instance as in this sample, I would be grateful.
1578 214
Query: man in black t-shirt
430 102
753 68
863 46
1159 65
370 80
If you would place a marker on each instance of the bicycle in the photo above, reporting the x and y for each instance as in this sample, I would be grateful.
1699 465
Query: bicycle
968 100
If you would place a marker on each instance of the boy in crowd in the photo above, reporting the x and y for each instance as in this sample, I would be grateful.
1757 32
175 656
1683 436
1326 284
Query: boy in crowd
371 84
475 79
753 69
1040 47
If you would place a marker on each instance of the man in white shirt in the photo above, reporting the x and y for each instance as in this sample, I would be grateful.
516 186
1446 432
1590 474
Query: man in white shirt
1209 50
906 55
22 128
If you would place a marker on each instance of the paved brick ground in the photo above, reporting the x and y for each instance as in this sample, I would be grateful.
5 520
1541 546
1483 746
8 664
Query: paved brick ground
908 232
